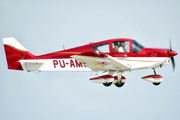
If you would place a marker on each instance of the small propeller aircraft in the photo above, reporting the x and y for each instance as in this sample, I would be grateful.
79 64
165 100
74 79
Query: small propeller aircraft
113 56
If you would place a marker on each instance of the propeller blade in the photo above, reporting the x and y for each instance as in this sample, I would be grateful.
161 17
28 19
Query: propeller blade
170 46
172 58
173 63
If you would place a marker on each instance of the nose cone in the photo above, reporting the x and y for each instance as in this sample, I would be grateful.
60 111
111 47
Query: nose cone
172 53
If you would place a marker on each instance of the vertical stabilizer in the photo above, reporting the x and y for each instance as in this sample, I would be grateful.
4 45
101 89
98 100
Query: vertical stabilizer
14 52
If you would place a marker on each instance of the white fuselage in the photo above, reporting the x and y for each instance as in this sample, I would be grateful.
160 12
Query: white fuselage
71 64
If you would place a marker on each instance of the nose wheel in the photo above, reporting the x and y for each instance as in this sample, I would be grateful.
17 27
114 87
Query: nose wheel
156 84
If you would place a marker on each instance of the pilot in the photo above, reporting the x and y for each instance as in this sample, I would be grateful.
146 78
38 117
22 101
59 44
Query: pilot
122 47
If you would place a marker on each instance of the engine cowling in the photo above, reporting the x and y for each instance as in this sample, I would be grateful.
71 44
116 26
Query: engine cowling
153 78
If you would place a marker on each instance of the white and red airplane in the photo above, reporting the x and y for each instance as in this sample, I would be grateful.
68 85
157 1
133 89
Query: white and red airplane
114 56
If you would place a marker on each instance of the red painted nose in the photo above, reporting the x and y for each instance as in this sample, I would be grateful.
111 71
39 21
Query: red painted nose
172 53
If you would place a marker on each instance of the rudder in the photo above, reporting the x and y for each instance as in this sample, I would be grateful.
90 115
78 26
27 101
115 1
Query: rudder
14 52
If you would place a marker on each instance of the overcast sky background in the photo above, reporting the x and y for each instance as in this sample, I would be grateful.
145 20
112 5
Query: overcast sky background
44 26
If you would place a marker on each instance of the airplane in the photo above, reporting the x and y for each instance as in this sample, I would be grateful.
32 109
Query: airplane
114 56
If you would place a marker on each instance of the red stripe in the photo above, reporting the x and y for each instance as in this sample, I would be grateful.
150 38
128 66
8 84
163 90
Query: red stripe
102 77
153 76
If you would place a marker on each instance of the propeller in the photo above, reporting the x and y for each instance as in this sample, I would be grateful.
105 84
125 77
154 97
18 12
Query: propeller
171 53
173 64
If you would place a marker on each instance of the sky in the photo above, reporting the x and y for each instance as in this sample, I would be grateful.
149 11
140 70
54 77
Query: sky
45 26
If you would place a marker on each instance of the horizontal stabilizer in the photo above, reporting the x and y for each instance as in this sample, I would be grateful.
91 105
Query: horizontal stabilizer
31 65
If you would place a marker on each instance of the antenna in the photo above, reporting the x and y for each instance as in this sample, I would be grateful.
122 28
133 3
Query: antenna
77 40
63 47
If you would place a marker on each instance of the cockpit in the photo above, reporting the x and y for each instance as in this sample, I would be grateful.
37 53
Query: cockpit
122 46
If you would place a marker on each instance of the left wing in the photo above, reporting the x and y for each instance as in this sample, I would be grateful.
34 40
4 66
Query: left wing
101 62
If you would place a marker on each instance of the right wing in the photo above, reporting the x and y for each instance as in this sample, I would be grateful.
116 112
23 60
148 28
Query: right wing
101 62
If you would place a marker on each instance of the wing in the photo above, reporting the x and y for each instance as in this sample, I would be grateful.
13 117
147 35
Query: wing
101 62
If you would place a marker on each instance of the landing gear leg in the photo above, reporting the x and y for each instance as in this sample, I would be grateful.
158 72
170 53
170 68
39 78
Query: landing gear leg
156 84
119 82
154 71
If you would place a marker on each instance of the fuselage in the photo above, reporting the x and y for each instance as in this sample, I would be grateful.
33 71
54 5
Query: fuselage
136 56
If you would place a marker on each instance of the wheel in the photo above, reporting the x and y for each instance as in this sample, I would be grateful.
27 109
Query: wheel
107 84
119 84
156 84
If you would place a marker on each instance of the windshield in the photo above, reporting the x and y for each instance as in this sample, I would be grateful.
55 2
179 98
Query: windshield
137 47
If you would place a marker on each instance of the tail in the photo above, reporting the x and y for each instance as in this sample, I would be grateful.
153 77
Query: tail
15 52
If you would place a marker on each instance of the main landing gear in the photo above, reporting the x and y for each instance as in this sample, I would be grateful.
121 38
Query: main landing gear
107 84
117 84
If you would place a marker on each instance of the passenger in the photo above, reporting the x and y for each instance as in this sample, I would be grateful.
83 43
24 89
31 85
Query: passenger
122 47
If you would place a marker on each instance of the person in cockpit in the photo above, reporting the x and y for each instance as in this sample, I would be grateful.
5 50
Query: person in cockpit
122 48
